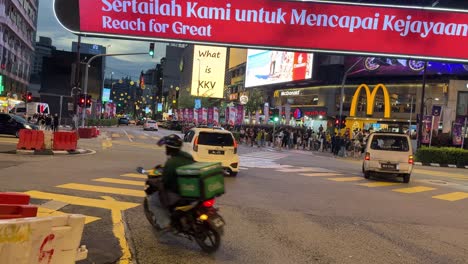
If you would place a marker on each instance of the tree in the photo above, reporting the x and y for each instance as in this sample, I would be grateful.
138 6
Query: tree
255 102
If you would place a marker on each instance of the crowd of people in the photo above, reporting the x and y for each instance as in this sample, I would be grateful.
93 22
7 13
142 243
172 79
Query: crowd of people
303 138
45 121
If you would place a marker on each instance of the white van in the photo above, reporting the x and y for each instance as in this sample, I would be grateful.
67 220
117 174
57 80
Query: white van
33 108
388 154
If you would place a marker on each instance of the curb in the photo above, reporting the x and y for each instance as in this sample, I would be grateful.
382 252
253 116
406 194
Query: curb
440 165
54 152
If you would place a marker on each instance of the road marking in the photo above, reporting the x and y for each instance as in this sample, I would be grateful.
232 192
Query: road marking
119 232
135 175
441 174
156 138
54 205
143 137
304 169
145 134
103 189
379 184
9 140
452 197
243 169
138 145
115 135
346 179
118 181
76 200
46 212
107 143
128 136
319 174
416 189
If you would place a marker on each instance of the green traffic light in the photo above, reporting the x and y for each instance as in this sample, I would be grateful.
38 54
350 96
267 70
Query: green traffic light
151 53
276 119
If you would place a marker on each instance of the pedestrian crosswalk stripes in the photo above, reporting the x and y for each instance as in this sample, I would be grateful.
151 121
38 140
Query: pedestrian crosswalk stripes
304 169
134 175
115 135
378 184
452 197
119 181
77 200
103 189
265 155
416 189
345 179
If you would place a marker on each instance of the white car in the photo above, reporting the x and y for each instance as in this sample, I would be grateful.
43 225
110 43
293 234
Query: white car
150 125
213 145
388 154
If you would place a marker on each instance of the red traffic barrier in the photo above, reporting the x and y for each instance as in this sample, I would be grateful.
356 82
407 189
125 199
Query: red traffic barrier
14 198
31 140
93 132
85 132
10 211
65 141
16 205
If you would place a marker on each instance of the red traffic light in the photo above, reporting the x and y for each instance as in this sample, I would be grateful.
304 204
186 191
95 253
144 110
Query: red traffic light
29 96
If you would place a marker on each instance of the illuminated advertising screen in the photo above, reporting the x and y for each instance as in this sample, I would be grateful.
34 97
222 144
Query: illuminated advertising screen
370 29
271 67
209 68
106 94
383 66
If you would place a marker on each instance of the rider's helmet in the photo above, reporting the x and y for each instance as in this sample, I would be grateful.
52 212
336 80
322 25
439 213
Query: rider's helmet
172 141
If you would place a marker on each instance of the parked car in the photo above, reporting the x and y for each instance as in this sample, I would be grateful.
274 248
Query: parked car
388 154
213 145
174 125
150 125
132 122
123 121
141 121
11 124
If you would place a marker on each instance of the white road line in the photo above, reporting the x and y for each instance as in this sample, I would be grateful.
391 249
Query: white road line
127 135
146 134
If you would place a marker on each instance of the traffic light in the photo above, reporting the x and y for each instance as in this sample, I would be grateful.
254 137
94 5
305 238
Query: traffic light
29 97
151 50
275 115
88 101
340 122
81 100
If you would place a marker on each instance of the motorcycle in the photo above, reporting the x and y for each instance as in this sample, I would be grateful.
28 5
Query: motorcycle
374 63
190 218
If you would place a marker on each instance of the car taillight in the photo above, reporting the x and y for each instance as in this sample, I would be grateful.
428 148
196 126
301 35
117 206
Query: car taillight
235 146
410 159
367 157
209 203
195 144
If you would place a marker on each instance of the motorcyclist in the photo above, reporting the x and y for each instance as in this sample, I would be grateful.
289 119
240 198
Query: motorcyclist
167 192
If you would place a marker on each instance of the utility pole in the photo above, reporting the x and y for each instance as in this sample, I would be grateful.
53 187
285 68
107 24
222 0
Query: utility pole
421 107
345 76
77 82
85 89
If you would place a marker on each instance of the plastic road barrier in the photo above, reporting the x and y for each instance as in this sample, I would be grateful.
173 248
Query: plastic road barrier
31 140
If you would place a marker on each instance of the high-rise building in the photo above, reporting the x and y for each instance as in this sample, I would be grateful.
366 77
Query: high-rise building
44 48
18 23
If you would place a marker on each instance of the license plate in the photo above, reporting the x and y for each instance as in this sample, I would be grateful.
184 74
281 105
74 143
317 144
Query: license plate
216 152
217 221
389 166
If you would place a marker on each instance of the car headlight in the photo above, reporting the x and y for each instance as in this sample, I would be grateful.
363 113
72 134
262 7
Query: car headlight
27 127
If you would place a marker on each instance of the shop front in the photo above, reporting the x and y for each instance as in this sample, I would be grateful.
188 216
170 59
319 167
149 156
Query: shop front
7 103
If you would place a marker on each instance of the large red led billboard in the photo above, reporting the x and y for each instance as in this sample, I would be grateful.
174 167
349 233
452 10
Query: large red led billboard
293 25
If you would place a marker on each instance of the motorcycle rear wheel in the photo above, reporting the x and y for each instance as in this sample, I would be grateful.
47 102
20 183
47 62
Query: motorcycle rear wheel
209 239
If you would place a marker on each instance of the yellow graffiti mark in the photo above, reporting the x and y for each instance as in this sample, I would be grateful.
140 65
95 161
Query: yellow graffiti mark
15 233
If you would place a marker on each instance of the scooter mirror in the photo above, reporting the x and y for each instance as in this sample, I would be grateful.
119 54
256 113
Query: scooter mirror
140 170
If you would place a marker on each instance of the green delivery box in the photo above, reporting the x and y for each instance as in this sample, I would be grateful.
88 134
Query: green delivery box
203 180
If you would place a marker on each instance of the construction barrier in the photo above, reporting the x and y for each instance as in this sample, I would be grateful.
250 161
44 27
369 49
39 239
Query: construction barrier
51 240
93 132
31 140
85 132
65 141
16 205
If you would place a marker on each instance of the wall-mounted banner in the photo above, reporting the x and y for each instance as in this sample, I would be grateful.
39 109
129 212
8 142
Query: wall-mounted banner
215 116
209 67
309 25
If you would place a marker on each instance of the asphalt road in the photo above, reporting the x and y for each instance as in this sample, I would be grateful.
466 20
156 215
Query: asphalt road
283 207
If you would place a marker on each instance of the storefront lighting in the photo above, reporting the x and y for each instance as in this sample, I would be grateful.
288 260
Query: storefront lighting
380 119
394 120
320 117
437 99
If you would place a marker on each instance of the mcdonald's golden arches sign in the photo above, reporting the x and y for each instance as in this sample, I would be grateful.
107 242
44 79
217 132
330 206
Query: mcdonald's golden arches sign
370 97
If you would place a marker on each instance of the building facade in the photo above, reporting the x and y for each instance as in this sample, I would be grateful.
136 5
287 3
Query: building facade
18 25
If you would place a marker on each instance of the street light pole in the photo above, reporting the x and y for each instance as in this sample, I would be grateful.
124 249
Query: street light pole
85 89
345 76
